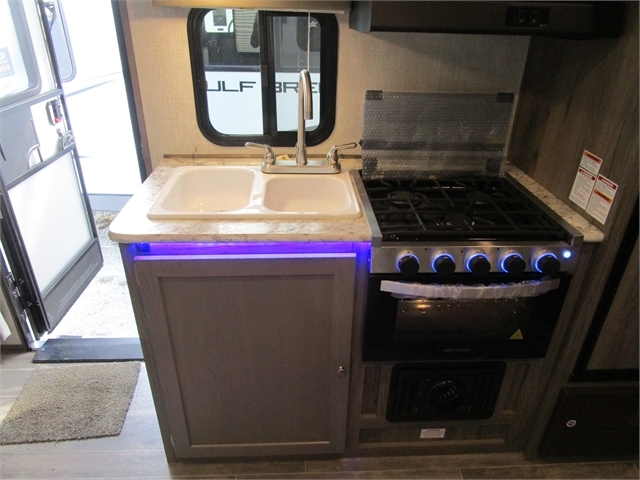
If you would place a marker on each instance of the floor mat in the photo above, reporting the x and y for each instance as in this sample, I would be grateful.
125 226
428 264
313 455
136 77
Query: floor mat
79 349
69 402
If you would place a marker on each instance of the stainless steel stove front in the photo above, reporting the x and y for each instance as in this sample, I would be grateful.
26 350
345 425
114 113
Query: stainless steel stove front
480 258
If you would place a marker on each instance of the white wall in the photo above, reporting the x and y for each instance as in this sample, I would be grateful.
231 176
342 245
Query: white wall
383 61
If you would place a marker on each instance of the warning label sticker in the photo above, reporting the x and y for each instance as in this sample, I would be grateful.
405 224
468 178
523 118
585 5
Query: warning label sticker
582 187
433 432
590 162
601 199
517 335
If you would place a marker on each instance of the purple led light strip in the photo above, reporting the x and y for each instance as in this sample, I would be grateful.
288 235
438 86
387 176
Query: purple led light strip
158 249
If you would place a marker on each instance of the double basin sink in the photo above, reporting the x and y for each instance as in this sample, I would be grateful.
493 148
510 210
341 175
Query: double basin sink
244 192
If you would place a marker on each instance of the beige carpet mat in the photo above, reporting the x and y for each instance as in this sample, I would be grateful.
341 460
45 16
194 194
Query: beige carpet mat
71 402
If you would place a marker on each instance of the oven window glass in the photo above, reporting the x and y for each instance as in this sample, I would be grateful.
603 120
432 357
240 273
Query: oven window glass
417 320
461 319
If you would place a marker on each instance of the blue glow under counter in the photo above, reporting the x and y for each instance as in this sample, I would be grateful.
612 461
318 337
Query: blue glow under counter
275 248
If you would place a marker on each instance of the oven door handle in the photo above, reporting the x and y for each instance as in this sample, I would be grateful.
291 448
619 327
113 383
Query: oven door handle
529 288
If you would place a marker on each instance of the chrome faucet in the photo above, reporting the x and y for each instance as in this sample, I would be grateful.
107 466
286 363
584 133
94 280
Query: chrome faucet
305 112
274 164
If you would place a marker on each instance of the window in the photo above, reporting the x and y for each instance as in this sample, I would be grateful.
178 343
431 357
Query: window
60 39
246 65
19 78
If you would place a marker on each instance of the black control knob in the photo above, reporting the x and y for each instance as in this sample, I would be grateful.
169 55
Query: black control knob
444 265
514 264
547 263
479 264
408 265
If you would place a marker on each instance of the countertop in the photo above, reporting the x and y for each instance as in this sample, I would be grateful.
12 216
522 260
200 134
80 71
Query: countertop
590 232
132 225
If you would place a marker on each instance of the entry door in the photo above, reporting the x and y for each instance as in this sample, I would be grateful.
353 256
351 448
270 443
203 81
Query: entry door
49 238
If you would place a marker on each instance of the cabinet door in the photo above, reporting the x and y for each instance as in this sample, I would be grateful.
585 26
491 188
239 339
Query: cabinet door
252 351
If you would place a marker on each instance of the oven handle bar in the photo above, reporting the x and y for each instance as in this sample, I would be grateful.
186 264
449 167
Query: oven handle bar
529 288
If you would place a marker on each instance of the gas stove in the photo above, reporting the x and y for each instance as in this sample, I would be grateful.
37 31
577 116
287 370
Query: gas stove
475 225
465 262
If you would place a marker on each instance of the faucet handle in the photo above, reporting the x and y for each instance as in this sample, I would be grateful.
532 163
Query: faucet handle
269 155
332 156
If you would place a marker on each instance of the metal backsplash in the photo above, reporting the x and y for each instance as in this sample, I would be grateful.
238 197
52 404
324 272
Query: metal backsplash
434 135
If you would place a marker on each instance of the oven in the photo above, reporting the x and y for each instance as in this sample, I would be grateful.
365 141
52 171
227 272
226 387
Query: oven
491 316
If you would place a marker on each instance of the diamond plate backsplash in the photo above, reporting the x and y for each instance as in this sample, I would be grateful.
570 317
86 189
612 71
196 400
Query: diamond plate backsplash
434 135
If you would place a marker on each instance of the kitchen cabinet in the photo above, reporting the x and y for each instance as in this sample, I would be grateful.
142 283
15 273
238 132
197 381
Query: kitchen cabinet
248 354
570 19
593 420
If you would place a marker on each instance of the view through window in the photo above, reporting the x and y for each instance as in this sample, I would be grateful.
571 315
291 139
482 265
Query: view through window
246 66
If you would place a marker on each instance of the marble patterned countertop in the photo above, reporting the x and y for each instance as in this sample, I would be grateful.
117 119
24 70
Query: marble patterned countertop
590 232
132 225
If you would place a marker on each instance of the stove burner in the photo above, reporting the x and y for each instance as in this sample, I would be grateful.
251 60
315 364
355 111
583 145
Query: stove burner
480 198
401 197
459 220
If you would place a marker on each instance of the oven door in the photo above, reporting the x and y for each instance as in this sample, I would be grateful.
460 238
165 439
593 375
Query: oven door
464 317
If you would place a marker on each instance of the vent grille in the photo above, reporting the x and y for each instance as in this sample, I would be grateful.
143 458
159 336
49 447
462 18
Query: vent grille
445 397
444 391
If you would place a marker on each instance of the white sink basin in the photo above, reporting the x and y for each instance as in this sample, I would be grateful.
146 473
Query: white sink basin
198 192
310 194
246 193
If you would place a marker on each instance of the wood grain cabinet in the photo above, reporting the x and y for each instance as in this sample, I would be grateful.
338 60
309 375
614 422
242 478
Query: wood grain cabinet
251 352
593 420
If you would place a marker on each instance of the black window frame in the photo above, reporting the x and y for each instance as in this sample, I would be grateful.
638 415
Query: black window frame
327 87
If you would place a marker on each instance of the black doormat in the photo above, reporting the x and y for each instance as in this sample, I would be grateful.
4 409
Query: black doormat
78 349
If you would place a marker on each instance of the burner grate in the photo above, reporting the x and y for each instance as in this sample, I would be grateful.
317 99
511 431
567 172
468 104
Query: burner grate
461 209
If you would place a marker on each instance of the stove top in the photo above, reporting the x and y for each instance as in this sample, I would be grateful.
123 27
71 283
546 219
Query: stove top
469 209
464 225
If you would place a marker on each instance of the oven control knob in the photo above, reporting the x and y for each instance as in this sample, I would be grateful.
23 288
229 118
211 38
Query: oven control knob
408 264
513 263
444 264
478 264
547 263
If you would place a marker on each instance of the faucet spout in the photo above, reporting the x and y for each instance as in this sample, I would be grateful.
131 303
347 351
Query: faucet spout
305 112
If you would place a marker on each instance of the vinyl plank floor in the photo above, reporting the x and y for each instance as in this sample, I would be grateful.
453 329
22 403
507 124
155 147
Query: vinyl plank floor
379 474
137 453
78 464
414 462
567 470
216 477
17 360
13 381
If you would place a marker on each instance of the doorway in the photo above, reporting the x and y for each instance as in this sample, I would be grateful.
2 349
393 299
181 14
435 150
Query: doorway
65 109
85 37
90 63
